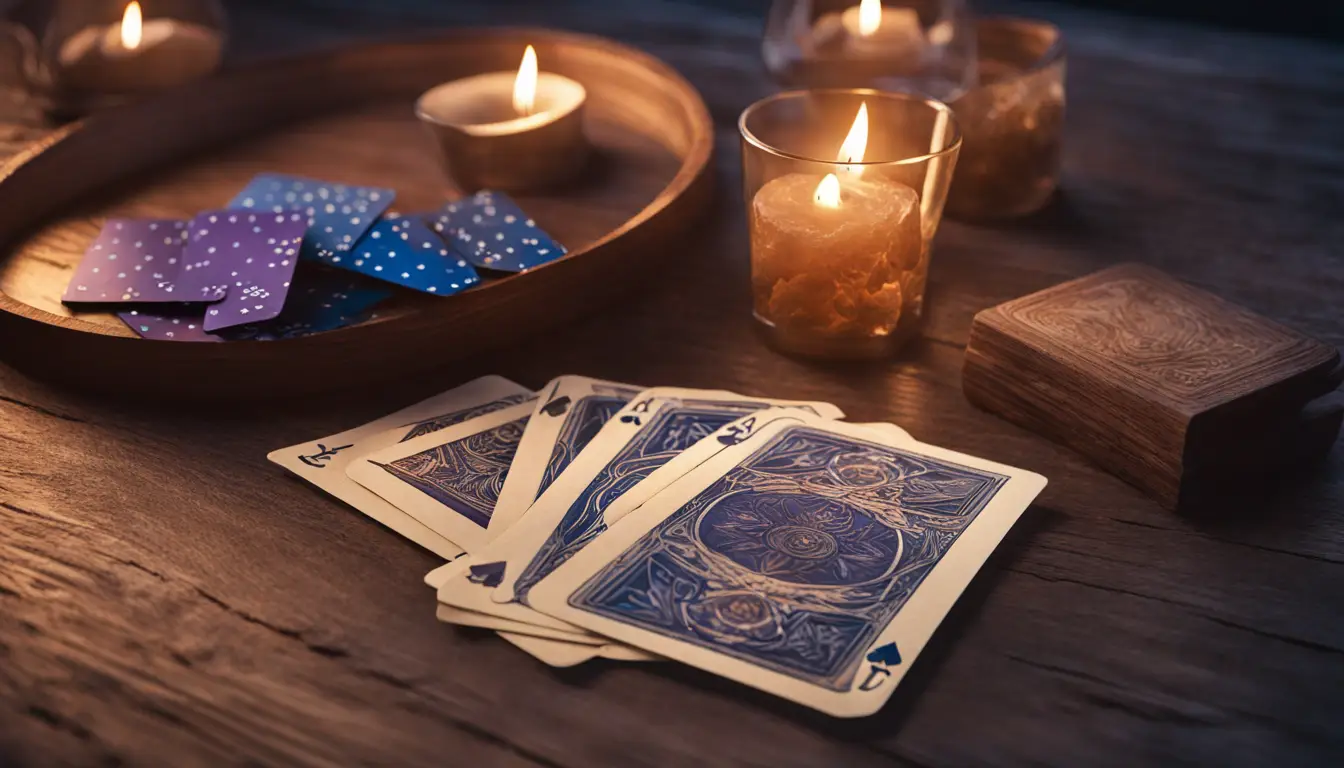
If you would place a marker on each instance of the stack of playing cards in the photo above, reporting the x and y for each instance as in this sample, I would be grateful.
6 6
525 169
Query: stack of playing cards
227 273
763 540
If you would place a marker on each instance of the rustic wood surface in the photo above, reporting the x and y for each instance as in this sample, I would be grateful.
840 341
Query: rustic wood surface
169 598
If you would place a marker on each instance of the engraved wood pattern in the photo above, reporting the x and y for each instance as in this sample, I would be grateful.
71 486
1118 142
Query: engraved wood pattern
345 116
1144 374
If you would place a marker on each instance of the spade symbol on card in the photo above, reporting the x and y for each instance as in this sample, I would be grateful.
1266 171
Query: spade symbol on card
487 574
557 407
880 658
736 433
630 418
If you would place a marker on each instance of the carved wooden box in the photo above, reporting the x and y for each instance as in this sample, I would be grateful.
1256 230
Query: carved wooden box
1169 387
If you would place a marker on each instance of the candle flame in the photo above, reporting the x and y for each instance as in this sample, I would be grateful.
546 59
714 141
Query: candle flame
828 192
856 143
130 26
525 86
870 16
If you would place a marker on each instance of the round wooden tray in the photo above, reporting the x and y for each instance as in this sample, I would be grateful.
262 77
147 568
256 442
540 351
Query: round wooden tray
343 116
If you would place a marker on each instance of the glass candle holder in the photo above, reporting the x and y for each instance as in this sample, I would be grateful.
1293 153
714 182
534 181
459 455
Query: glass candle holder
75 56
1013 122
919 46
844 191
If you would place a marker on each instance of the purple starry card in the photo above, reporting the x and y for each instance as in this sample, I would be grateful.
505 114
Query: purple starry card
249 257
325 302
173 322
403 250
492 232
131 260
338 214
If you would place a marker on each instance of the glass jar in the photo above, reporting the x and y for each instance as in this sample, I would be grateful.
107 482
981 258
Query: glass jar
918 46
1013 122
74 56
844 191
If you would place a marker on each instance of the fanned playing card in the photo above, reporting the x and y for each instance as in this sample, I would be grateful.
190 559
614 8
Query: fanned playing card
322 462
338 214
812 560
403 250
448 480
570 412
132 260
492 232
656 427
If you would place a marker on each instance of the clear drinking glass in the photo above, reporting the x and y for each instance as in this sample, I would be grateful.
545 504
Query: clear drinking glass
74 56
919 46
1013 122
840 223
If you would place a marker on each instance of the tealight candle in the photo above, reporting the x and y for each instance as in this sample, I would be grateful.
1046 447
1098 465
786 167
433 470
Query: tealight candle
509 131
839 250
138 54
871 29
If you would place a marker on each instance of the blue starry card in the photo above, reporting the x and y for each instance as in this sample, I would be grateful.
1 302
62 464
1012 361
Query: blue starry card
812 560
404 251
338 214
492 232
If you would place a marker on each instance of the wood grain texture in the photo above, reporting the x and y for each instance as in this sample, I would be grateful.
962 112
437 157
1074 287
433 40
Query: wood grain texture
345 115
1107 632
1151 377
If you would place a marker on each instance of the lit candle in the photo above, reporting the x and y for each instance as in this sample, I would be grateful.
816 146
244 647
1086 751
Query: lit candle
138 54
830 253
508 130
872 30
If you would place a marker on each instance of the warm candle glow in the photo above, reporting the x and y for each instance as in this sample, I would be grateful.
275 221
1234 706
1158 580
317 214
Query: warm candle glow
870 16
130 27
828 192
525 86
856 143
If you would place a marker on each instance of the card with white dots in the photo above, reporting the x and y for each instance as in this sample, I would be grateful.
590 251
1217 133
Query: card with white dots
325 302
338 214
250 256
131 260
403 250
321 302
492 232
169 322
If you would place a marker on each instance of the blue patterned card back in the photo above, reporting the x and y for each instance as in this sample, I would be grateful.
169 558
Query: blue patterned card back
404 251
338 214
465 475
457 417
492 232
676 426
582 423
798 557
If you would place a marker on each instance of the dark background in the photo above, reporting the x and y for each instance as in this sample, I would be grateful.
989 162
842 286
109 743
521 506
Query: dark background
1321 19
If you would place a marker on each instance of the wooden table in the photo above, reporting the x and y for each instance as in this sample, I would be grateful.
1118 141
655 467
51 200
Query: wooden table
168 597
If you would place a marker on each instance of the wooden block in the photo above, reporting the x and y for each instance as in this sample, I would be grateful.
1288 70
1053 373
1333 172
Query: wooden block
1154 380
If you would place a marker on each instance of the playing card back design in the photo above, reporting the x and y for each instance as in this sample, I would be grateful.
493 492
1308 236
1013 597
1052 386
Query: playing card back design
457 417
466 475
671 430
582 423
796 559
